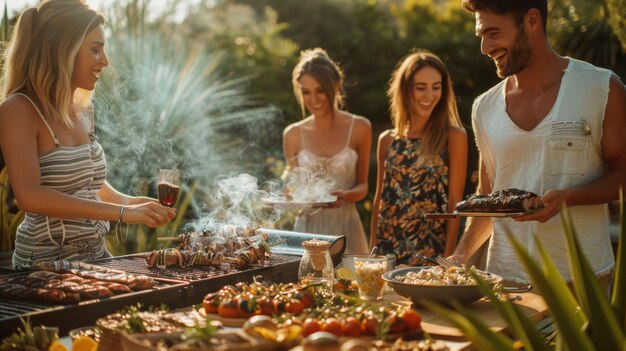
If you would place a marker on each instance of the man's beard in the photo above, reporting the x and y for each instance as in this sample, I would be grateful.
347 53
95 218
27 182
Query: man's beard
518 56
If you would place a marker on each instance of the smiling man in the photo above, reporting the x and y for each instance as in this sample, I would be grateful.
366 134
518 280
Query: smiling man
554 126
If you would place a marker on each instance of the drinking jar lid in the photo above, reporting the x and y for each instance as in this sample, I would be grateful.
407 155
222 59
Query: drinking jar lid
316 245
317 250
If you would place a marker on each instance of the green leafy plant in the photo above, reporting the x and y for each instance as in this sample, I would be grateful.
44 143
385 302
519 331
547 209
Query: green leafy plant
4 25
165 103
203 331
585 321
29 338
10 215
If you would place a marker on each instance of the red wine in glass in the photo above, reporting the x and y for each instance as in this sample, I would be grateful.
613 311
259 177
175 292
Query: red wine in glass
169 186
168 193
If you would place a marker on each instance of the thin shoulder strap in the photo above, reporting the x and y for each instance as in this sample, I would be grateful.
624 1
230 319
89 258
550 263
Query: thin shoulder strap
54 137
350 130
302 137
92 129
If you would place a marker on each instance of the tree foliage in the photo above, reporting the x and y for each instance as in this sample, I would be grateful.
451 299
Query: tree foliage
237 55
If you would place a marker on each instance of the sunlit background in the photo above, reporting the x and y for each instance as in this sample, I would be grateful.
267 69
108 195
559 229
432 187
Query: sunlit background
205 86
14 6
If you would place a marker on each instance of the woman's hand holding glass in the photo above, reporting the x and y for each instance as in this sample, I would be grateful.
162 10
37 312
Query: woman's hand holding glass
150 213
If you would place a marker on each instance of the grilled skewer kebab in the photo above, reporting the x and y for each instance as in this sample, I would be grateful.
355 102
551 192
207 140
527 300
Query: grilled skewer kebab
210 256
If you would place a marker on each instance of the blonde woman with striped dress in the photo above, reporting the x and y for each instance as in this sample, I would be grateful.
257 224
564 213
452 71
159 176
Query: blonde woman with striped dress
56 166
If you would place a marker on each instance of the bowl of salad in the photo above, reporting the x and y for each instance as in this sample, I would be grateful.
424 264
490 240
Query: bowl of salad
438 284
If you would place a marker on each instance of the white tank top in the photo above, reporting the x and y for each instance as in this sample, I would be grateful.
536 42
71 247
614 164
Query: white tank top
562 151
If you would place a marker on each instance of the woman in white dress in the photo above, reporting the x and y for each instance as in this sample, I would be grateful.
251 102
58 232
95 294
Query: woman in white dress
332 141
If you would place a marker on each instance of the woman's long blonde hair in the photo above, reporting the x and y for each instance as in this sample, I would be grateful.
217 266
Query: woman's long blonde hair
327 72
41 52
400 92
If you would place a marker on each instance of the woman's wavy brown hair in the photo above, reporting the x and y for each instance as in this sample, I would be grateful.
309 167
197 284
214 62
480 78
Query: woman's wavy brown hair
400 93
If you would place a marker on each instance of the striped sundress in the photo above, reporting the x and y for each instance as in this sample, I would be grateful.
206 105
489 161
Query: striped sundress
78 171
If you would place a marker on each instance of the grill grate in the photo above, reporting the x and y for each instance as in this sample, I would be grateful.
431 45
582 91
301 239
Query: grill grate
86 312
12 309
6 271
137 264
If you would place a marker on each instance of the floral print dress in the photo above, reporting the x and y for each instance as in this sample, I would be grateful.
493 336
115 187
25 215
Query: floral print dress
410 189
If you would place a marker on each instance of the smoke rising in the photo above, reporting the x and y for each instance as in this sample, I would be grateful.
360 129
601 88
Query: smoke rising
236 201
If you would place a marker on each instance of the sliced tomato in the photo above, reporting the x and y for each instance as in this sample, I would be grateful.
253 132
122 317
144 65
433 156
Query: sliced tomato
306 298
397 325
412 319
333 326
294 306
264 306
310 326
368 325
211 303
352 327
228 309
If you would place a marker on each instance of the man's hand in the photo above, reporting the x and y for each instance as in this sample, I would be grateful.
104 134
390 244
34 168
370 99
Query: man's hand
552 201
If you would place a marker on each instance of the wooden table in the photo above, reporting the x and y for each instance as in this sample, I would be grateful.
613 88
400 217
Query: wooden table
531 305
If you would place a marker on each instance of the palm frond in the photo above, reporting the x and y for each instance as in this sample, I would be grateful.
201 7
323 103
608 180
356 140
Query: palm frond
606 332
4 24
518 324
564 308
618 295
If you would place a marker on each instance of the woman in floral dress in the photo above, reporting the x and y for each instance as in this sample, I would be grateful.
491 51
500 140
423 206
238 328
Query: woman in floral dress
422 162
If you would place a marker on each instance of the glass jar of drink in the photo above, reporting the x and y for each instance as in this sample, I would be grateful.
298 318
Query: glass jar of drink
316 265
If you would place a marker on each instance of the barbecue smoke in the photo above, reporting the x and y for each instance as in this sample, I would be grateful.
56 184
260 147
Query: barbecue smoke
239 201
307 184
236 201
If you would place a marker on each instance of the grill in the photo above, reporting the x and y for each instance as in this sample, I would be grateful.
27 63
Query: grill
68 317
177 286
6 271
137 264
282 267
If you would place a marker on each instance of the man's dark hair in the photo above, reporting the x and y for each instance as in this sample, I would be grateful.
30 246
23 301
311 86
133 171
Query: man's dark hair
517 9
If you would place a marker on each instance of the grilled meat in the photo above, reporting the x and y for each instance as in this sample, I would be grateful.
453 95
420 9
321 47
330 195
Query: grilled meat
505 200
89 271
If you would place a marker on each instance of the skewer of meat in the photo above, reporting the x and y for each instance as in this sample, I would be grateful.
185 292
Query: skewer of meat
204 258
241 258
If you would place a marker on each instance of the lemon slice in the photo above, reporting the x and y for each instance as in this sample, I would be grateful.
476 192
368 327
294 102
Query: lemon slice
289 333
267 334
344 273
84 343
57 346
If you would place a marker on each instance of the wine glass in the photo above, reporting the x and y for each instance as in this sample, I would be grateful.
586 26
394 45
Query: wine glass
169 186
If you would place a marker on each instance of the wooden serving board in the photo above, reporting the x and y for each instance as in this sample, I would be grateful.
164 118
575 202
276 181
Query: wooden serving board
231 340
531 304
227 322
